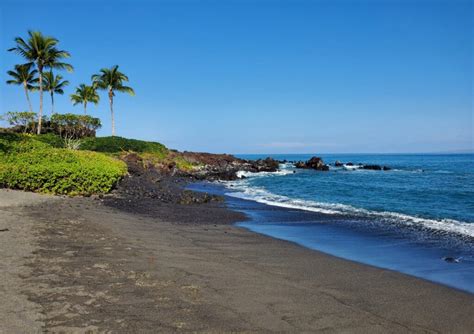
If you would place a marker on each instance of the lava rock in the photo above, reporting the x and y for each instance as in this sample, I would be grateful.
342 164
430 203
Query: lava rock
315 163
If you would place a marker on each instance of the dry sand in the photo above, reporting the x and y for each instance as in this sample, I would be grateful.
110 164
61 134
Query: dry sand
76 265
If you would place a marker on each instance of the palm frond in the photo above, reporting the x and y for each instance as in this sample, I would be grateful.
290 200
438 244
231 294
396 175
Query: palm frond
22 74
125 89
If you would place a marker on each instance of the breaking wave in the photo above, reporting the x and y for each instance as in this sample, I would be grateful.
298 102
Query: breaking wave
241 189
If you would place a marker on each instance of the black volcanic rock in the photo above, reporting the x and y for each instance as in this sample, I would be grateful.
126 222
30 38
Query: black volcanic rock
266 165
372 167
375 167
315 163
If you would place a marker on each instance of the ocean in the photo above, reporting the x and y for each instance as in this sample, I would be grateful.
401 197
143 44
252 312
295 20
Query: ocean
417 218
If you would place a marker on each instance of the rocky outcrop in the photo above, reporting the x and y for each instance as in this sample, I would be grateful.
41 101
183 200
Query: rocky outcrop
224 166
265 165
353 166
375 167
315 163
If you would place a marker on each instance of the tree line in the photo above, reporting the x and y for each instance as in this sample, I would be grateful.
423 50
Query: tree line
43 58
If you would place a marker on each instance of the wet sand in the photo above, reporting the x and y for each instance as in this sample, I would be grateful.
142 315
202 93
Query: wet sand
78 264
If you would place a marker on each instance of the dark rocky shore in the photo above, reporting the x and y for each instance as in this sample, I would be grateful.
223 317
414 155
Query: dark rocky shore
149 186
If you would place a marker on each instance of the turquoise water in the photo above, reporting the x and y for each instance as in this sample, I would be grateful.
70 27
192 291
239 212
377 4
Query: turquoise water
417 218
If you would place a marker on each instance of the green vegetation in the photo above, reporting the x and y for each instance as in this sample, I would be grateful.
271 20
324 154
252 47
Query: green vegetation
151 152
60 158
120 144
111 80
85 94
71 126
183 164
43 52
43 163
51 139
53 84
66 126
25 76
31 163
23 120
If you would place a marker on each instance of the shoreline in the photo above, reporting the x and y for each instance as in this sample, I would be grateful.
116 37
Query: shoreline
358 241
147 272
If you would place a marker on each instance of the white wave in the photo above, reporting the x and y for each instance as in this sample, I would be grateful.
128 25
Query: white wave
241 173
242 190
349 167
287 165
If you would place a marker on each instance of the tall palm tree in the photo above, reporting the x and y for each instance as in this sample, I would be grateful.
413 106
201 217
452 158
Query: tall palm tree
111 80
25 76
53 84
85 94
42 51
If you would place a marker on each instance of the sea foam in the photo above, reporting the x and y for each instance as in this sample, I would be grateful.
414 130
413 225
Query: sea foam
241 189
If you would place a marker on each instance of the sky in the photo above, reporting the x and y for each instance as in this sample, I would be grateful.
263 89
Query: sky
266 76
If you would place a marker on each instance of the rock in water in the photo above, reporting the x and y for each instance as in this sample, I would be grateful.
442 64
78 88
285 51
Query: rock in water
376 167
372 167
266 165
315 163
451 259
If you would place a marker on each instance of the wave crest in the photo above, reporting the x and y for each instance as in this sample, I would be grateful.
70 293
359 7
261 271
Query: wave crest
241 190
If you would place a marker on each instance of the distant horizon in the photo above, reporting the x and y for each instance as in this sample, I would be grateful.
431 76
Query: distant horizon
361 153
266 76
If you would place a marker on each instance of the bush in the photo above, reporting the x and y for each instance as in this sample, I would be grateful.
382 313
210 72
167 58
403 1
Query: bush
65 125
120 144
12 143
71 126
51 139
30 164
21 121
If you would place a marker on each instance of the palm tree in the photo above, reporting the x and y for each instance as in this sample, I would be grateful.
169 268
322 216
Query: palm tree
85 94
41 50
25 76
54 85
111 79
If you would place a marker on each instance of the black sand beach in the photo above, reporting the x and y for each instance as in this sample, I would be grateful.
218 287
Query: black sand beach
129 264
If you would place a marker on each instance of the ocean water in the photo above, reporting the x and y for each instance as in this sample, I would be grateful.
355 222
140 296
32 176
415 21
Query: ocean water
417 218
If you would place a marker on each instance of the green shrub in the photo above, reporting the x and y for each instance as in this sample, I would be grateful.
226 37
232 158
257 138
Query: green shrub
64 125
16 143
50 139
120 144
30 164
23 121
74 126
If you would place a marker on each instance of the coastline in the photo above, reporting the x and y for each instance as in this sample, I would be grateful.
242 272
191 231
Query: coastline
186 267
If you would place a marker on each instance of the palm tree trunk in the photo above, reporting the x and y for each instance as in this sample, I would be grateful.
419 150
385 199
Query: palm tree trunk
28 97
52 103
40 113
85 108
111 100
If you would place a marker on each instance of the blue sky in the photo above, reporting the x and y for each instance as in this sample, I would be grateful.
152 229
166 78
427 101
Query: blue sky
267 76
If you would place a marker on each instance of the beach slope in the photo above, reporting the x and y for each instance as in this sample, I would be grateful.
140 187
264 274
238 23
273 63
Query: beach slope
76 264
